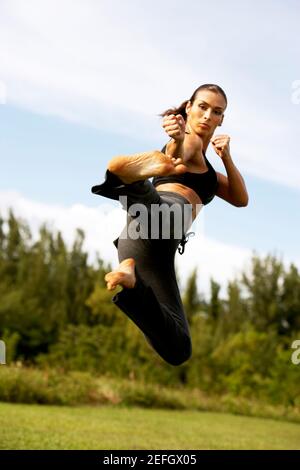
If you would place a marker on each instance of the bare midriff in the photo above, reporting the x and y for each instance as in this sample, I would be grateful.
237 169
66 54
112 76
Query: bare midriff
185 191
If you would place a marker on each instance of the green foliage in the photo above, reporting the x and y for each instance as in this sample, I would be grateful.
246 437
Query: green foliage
19 385
81 347
11 341
191 299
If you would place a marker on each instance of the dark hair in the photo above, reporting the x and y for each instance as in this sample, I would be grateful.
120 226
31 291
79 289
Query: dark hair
181 108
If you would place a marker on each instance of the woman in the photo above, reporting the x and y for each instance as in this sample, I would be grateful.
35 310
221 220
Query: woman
182 176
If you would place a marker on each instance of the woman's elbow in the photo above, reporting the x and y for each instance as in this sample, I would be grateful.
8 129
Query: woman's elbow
243 202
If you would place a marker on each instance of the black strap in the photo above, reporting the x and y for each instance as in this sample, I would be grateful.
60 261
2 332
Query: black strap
183 242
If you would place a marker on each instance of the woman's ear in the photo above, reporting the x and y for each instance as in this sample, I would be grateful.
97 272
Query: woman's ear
188 107
221 121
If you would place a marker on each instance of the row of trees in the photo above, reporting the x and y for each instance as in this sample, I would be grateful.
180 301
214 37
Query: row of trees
55 310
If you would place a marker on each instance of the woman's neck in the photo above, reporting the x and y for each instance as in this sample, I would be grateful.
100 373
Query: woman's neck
206 141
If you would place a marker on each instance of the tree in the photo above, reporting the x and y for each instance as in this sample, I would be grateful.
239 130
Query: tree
191 298
289 302
263 285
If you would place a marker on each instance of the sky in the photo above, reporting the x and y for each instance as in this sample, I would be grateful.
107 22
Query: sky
83 80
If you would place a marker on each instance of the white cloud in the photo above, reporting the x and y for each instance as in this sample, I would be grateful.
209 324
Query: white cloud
116 64
100 225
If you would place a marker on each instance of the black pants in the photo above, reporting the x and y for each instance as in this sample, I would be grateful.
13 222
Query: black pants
154 304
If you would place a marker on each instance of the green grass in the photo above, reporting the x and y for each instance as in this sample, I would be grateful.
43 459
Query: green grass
107 427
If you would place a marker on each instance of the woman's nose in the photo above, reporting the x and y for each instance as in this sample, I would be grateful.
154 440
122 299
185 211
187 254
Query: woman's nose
207 114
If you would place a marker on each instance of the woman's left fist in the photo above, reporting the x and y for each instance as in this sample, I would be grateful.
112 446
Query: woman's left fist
221 145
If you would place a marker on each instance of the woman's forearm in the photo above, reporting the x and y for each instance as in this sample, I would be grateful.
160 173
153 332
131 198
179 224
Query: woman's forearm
237 188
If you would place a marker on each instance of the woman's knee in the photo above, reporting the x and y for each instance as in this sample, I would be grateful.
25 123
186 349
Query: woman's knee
181 353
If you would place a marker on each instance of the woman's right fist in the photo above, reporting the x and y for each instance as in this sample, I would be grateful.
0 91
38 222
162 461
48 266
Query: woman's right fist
174 126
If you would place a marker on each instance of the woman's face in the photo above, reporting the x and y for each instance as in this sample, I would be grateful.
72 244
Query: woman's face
206 113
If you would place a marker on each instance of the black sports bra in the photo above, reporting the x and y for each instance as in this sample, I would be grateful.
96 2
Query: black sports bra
204 184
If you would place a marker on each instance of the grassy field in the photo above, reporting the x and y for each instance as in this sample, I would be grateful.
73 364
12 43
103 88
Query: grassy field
86 427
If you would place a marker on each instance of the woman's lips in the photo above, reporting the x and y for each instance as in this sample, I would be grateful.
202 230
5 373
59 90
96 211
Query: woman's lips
204 125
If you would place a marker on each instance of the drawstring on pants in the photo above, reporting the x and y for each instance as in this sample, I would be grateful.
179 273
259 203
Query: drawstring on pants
183 241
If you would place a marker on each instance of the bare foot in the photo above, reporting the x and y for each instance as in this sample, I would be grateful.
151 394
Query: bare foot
145 165
124 275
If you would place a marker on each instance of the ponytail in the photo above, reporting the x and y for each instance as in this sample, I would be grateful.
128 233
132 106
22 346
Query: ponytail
180 110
